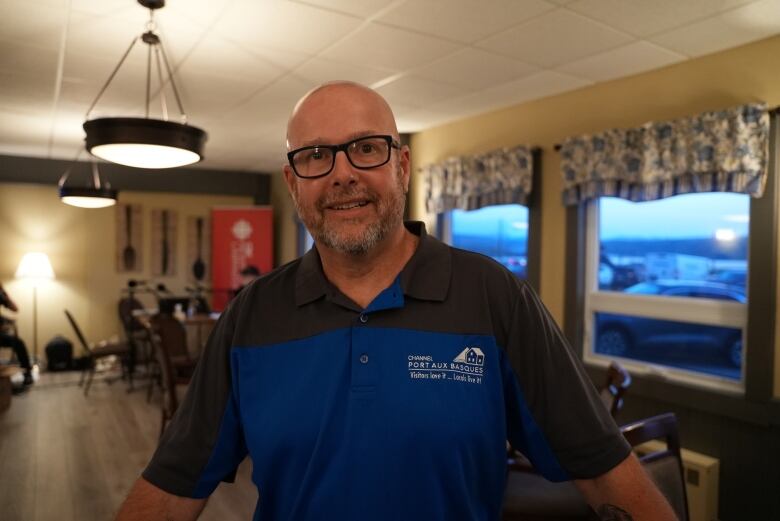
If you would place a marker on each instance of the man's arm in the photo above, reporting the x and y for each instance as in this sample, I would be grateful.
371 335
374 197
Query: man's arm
147 501
626 493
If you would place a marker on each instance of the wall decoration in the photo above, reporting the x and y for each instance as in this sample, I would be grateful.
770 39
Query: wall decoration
164 242
241 235
198 263
129 238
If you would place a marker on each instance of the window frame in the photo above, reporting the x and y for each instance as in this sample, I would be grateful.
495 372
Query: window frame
696 310
534 244
756 403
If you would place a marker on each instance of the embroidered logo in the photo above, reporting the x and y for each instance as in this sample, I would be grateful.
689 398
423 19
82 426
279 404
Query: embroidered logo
467 367
471 356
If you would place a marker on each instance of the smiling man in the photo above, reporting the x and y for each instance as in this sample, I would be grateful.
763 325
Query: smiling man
379 376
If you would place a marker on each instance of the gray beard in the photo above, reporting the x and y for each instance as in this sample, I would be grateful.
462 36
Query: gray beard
390 213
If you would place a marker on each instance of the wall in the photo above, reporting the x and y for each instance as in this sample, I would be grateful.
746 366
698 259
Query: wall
748 450
741 75
80 245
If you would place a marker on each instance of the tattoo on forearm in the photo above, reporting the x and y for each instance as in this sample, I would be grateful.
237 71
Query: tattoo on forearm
609 512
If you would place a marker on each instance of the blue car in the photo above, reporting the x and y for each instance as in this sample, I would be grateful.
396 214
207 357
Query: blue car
629 336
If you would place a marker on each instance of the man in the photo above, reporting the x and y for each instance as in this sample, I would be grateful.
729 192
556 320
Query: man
247 275
8 337
379 376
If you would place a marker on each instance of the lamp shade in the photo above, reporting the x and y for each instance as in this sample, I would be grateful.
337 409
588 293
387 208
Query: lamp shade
144 142
88 197
35 265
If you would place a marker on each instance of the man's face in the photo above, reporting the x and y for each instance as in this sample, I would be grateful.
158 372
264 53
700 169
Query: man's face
350 210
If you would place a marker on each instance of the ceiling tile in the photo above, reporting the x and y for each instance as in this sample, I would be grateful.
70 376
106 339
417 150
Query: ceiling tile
28 60
555 38
288 25
418 92
23 92
643 18
624 61
389 48
539 85
474 69
319 70
740 26
463 20
359 8
215 56
39 25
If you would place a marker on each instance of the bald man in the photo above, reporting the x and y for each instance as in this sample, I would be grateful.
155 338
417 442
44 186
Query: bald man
379 376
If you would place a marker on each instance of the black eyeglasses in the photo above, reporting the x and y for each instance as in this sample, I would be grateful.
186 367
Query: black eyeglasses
364 153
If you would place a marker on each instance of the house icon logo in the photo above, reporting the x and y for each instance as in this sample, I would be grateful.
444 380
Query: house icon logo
471 356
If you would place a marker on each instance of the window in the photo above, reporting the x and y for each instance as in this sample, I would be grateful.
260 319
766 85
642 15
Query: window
666 285
500 232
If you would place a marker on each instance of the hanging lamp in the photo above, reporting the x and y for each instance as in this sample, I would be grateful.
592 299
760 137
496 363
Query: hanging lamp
146 142
98 195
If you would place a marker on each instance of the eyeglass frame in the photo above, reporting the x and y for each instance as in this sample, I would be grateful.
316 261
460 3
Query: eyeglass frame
391 144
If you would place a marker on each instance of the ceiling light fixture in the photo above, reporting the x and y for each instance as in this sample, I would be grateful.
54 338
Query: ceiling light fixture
146 142
99 195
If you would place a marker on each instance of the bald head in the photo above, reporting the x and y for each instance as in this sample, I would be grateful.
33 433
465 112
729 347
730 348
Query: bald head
336 112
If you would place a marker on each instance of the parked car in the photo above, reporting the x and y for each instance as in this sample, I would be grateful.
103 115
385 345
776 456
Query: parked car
620 335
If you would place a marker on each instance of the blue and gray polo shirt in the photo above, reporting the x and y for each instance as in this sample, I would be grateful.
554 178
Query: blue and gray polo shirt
398 411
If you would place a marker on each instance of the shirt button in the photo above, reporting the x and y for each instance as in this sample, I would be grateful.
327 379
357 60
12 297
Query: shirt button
364 358
363 318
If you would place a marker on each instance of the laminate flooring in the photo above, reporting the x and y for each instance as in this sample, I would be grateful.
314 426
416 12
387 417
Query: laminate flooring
67 457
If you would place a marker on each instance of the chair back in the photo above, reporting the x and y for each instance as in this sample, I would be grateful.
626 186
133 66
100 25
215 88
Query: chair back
615 387
173 335
167 373
665 466
125 308
78 332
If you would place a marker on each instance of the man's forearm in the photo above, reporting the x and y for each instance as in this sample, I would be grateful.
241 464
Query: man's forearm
626 493
147 501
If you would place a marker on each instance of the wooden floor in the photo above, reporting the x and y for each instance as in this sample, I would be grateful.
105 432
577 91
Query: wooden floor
66 457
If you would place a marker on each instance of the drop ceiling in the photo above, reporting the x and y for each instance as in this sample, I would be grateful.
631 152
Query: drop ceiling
242 64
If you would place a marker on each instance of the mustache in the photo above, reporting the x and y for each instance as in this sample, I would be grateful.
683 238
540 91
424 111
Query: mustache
340 195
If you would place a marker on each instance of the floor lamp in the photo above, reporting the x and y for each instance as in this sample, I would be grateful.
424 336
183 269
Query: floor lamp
35 266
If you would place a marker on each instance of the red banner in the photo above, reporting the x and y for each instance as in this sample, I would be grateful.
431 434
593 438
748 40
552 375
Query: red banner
241 236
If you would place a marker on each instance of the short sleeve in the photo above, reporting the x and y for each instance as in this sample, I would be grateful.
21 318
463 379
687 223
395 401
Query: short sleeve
554 414
204 443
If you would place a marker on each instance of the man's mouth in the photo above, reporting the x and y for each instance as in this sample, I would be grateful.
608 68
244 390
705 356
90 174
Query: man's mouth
348 205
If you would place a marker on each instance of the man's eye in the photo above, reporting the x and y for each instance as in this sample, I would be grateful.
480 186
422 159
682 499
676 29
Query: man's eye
367 148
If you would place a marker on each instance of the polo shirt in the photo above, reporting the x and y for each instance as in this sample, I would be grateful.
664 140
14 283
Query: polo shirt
399 411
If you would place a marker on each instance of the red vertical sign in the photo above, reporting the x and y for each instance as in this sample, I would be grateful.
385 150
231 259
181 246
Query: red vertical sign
240 236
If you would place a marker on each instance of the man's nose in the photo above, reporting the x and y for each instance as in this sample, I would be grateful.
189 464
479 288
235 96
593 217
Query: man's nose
343 171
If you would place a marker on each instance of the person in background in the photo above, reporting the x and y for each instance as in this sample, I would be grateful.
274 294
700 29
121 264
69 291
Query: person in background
379 376
248 274
8 337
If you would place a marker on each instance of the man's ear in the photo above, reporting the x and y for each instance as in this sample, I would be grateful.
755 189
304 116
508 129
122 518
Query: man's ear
289 178
404 165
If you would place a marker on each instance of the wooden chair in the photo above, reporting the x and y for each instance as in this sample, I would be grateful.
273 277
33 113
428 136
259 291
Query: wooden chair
137 339
95 352
530 497
172 378
617 382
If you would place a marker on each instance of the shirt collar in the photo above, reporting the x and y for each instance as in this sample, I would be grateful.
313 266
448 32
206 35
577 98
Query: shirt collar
426 275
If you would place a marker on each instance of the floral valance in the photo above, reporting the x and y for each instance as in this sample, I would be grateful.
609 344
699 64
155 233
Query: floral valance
467 183
722 151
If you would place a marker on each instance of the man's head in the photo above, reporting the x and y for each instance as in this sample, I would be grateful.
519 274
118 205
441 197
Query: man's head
248 273
351 209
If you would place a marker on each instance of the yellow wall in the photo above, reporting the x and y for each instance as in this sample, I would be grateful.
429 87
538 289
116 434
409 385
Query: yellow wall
745 74
80 245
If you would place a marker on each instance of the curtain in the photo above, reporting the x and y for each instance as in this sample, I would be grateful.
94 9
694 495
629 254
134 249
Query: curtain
470 182
721 151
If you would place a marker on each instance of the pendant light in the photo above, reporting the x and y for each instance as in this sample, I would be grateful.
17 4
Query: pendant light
99 195
146 142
